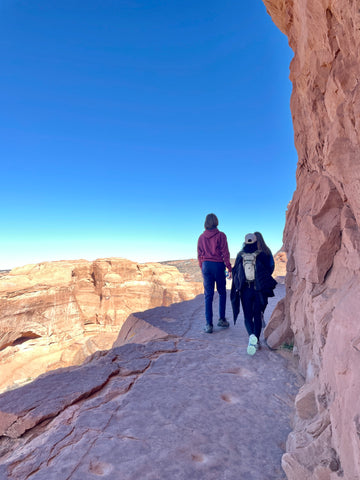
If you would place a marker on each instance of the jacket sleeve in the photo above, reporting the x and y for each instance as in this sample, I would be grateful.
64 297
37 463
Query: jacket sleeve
225 251
271 264
200 252
264 280
238 273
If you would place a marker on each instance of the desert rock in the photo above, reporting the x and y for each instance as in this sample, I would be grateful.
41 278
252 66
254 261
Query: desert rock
55 314
322 237
183 405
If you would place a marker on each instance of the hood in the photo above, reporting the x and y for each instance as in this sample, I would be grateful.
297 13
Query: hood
250 247
211 233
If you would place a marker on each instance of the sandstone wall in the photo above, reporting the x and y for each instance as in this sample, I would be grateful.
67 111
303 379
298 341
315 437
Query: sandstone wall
55 314
322 237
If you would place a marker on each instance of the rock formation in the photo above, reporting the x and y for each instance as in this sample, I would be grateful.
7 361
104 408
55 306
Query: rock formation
55 314
322 237
180 405
280 266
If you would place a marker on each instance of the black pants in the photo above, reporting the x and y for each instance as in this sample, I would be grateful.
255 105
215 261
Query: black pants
251 301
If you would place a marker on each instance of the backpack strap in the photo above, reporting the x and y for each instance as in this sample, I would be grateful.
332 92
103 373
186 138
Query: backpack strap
256 253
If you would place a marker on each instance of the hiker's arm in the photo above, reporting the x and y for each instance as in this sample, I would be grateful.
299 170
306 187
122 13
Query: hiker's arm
225 252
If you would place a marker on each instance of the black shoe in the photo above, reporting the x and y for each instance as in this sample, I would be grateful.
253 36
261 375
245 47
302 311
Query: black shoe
223 323
208 328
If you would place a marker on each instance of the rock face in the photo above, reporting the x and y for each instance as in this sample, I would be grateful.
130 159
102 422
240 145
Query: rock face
56 314
322 237
180 405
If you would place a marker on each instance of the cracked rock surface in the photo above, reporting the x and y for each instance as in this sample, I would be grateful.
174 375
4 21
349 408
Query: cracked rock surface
182 404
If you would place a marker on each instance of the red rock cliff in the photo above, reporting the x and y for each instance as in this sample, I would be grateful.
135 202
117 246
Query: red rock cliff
55 314
322 238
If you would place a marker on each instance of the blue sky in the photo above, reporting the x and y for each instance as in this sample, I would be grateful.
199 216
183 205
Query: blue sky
123 123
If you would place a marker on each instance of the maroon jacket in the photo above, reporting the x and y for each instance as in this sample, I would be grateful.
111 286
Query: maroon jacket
213 247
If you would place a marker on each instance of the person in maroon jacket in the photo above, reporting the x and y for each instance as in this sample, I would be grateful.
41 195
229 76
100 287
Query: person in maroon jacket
214 256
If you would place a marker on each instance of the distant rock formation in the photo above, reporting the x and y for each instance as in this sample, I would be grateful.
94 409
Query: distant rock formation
322 238
190 268
55 314
280 266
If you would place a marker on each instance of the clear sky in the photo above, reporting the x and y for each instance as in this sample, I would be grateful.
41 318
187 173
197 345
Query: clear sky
124 122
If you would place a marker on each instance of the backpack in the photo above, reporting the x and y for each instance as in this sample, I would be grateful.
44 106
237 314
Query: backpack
249 260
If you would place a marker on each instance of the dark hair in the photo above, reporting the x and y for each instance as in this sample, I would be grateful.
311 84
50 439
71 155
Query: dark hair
211 221
261 245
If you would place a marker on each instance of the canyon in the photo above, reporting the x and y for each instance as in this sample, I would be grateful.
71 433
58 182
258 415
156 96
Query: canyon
319 314
56 314
167 401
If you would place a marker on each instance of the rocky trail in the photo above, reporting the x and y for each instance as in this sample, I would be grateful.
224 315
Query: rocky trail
183 405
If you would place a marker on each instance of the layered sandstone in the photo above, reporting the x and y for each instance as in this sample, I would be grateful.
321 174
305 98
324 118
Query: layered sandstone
322 237
171 403
55 314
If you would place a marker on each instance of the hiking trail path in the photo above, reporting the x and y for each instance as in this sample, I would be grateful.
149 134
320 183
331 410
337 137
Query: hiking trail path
189 406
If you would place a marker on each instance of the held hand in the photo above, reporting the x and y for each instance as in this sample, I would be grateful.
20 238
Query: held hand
229 276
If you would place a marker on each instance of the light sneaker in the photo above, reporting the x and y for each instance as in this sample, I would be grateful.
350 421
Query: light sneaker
223 323
253 345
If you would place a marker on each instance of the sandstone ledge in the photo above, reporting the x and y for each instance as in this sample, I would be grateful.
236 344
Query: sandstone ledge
187 405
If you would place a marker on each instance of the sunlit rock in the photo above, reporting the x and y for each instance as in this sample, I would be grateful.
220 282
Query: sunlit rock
56 314
322 238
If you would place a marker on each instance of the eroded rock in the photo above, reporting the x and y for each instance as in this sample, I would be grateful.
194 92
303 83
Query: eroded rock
55 314
322 237
187 405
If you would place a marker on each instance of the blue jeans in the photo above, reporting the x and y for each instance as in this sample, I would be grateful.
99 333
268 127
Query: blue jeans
214 272
251 302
